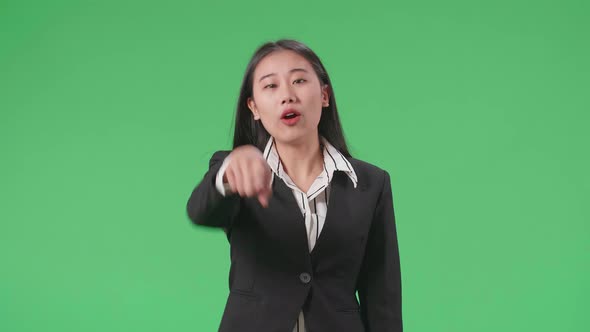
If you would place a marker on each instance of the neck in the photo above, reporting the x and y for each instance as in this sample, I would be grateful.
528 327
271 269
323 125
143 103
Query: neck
303 159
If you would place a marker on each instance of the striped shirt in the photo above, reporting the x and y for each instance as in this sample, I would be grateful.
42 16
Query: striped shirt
313 204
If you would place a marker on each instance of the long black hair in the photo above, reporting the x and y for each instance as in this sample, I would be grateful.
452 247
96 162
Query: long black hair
249 131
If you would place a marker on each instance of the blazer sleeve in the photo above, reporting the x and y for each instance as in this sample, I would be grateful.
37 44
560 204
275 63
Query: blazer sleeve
206 205
379 283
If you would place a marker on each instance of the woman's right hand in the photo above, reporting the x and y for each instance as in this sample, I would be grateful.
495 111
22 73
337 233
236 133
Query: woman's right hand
248 174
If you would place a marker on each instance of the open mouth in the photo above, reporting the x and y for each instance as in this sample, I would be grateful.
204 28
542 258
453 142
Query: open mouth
290 117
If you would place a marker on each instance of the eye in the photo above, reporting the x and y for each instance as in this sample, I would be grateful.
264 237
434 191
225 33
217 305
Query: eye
270 86
301 80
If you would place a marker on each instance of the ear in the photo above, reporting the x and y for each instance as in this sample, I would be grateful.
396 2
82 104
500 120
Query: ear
253 109
325 95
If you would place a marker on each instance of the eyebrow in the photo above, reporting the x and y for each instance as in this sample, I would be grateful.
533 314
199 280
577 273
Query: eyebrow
290 71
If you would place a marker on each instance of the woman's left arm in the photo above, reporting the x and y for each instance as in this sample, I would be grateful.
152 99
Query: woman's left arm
379 284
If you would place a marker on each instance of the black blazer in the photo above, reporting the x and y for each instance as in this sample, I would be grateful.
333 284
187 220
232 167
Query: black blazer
273 275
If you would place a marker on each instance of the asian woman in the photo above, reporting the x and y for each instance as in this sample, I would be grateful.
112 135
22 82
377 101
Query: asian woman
309 226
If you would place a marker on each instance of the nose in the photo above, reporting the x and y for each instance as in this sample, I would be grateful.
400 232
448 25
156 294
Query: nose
287 95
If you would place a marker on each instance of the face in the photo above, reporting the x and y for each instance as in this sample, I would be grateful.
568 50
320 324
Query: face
287 96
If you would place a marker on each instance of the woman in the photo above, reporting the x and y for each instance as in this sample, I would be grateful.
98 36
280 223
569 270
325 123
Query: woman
308 225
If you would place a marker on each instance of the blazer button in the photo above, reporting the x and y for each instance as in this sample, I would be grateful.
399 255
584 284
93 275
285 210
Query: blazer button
305 277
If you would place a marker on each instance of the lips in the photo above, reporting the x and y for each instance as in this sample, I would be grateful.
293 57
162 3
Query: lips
290 117
290 114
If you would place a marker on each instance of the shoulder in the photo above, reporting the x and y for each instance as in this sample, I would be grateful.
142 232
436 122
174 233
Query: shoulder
218 157
365 166
369 175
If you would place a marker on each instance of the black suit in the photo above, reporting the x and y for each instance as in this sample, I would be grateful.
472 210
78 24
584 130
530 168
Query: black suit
273 275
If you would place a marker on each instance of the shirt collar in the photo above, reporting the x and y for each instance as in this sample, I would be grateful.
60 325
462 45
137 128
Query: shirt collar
333 160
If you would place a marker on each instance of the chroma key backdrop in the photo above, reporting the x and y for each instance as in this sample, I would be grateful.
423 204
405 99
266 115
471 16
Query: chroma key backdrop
110 111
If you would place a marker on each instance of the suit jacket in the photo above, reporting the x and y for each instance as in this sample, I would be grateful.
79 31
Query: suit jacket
273 275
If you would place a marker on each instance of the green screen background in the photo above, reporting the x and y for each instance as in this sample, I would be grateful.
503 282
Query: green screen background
110 111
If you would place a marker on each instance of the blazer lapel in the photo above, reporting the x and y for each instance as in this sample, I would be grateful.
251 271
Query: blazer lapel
292 224
285 221
340 205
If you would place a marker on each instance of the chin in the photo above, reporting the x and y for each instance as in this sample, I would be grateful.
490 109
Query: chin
294 137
